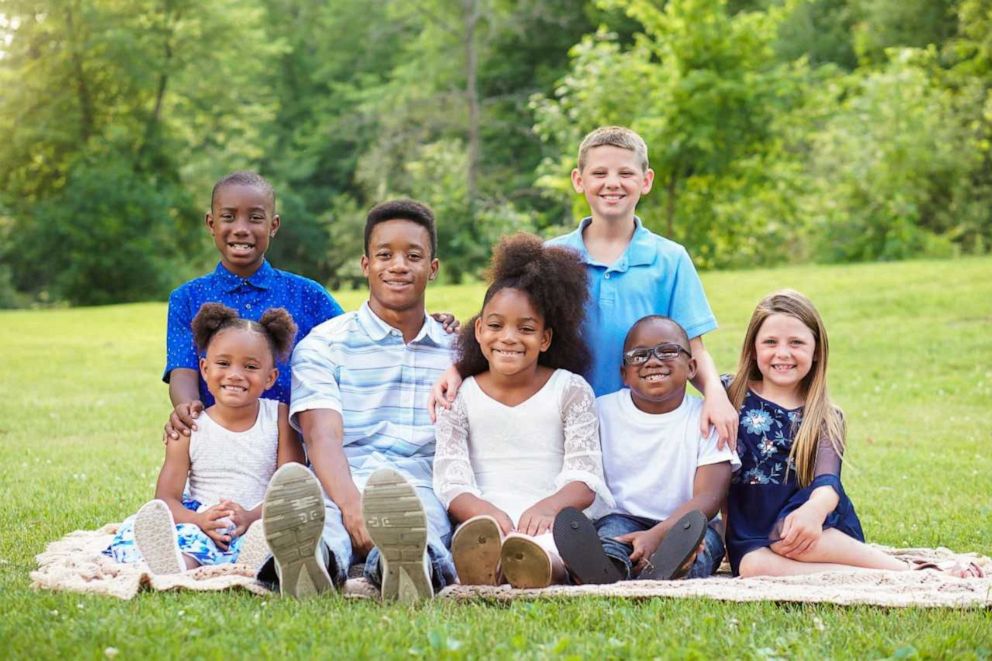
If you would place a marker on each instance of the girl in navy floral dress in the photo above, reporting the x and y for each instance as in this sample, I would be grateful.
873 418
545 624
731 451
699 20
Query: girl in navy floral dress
788 513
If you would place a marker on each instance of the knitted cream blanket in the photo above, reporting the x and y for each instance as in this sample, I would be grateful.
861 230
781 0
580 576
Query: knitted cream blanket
74 563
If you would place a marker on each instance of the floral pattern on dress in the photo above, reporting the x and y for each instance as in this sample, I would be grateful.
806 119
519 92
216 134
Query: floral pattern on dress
766 438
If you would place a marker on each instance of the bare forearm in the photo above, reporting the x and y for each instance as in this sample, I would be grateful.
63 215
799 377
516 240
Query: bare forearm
823 500
184 386
707 379
464 506
573 494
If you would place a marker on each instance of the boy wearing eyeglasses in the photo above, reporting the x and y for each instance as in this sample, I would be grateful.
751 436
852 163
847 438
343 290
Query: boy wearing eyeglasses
667 479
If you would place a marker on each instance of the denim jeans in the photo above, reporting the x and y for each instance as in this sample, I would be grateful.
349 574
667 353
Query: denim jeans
614 525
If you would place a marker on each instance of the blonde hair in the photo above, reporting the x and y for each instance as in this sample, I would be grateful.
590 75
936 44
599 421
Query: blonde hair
614 136
821 419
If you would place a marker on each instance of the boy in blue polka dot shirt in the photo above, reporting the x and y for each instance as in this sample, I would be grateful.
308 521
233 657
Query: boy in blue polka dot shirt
242 220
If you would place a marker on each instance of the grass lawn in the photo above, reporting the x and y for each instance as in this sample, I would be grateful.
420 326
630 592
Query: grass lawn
82 407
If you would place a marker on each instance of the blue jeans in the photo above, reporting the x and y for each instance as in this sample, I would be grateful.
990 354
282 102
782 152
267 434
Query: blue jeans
442 567
614 525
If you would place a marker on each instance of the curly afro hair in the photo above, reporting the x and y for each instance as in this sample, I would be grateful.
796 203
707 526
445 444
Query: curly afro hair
276 324
554 279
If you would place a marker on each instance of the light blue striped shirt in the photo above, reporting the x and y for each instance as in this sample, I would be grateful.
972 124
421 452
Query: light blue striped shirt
358 365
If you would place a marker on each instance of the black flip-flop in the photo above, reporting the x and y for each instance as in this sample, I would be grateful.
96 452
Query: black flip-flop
581 550
669 560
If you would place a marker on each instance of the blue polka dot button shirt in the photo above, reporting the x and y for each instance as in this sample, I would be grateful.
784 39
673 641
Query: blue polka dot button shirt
308 302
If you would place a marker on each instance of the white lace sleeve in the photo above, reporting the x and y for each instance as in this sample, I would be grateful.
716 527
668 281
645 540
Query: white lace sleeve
453 474
583 460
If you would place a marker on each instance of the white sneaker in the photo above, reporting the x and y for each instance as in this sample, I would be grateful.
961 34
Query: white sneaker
156 539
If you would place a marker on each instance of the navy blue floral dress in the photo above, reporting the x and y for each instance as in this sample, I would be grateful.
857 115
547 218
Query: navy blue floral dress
766 489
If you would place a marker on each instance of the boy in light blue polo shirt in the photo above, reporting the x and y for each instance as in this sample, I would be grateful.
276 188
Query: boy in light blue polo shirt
633 272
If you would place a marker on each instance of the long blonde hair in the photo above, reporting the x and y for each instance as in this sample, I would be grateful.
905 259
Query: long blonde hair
821 419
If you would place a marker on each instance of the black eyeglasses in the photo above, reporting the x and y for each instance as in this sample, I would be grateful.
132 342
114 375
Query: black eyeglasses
665 351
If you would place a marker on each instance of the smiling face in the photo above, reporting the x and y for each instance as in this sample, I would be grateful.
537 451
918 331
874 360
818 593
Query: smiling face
784 349
511 333
398 266
238 367
612 181
658 386
242 220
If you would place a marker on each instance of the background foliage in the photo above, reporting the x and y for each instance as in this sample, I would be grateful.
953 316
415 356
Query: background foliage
780 130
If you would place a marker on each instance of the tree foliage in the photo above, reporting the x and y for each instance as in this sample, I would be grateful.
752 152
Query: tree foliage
780 130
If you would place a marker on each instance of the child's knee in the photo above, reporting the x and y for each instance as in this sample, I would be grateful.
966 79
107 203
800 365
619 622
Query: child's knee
755 563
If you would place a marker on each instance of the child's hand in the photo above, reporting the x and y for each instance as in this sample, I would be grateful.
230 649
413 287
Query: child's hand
443 392
447 321
718 413
182 420
800 531
537 519
240 517
354 523
215 523
645 543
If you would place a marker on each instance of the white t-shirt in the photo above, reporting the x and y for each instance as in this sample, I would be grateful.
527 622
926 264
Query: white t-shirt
650 460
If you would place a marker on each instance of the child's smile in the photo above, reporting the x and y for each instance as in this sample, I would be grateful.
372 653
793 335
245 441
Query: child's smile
656 385
511 333
238 367
242 221
784 349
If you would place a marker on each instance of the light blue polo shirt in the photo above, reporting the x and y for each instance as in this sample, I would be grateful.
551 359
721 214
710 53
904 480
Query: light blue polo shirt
653 276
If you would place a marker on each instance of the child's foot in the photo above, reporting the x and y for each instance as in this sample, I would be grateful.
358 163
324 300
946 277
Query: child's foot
672 558
950 567
156 539
581 550
525 563
475 549
397 524
254 550
293 519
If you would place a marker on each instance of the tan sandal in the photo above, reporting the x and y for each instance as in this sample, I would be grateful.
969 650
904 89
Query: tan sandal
475 549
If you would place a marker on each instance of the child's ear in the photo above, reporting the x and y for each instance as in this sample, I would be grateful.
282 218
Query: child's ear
546 339
274 227
577 180
208 220
691 369
273 375
647 182
203 368
478 328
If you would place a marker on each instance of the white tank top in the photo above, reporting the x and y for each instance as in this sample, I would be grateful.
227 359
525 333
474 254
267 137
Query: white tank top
234 464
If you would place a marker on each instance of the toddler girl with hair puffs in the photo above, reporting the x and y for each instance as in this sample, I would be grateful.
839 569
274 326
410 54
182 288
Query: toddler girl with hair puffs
788 513
228 459
521 441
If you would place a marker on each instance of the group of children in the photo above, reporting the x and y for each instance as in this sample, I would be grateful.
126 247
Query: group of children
567 448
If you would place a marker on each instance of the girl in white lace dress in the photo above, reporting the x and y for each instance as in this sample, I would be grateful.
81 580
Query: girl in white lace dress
227 460
521 441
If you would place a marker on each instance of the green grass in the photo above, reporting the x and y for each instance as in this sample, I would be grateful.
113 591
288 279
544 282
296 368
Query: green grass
82 406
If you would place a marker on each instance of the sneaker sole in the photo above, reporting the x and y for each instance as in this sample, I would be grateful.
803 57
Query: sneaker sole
581 550
156 539
397 525
293 517
475 549
525 564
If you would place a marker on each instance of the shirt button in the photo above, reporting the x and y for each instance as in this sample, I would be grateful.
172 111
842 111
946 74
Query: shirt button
248 306
607 276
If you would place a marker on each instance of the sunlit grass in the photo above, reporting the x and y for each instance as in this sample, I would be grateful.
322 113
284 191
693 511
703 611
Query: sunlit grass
82 405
